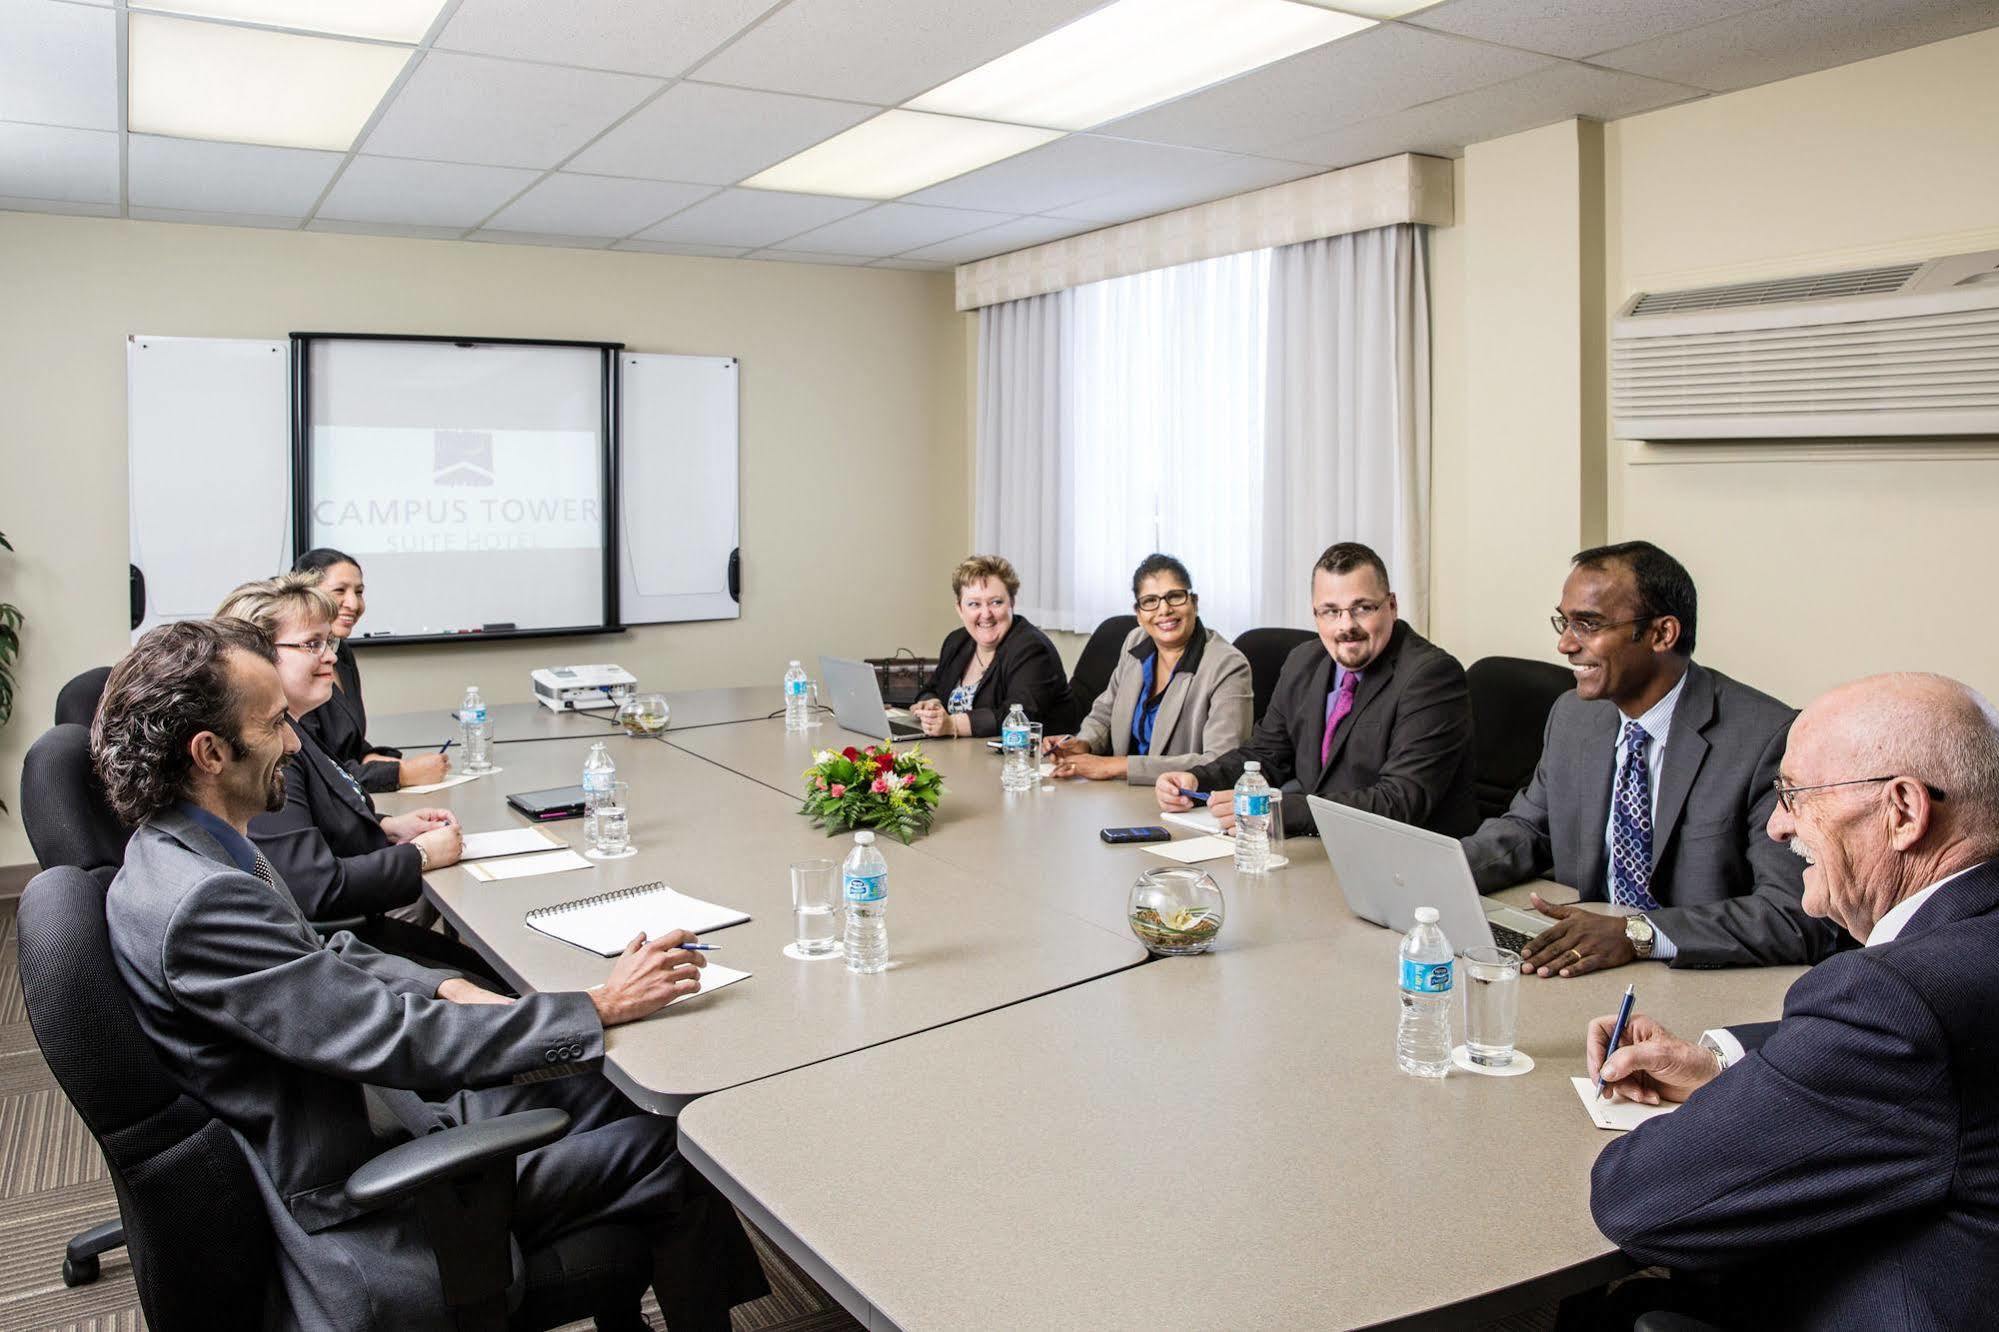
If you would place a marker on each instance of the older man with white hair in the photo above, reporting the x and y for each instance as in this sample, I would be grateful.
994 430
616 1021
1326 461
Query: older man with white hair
1841 1167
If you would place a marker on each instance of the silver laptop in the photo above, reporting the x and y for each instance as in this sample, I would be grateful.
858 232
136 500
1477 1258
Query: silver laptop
1385 870
857 700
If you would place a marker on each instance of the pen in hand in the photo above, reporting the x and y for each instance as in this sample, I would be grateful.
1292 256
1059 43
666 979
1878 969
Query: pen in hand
1198 797
446 745
700 948
1616 1035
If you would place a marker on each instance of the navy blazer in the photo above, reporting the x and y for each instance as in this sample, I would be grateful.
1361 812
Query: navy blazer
328 844
340 725
1845 1173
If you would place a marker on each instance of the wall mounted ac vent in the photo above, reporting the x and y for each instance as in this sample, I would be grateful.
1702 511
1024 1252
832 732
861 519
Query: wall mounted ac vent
1898 351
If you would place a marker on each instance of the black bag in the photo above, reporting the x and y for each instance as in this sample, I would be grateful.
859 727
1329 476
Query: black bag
901 677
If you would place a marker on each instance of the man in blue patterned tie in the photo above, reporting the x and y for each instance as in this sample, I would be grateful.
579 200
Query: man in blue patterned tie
1652 791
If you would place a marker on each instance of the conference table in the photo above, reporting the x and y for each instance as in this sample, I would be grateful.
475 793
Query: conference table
515 722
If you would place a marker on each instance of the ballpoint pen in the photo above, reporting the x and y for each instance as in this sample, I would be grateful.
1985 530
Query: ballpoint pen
1616 1035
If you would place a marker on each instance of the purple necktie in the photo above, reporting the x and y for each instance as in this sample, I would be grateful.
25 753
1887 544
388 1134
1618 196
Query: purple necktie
1342 705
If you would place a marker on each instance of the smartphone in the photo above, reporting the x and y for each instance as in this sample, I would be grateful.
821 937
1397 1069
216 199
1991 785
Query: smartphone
1122 836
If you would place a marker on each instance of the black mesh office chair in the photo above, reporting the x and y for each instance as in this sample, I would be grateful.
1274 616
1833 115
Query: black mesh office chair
201 1249
63 808
77 701
1266 650
1510 699
1099 661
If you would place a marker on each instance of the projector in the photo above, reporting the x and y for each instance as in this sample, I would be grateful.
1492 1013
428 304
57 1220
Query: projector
576 688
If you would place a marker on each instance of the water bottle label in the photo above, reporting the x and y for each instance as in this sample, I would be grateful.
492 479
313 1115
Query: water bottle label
476 716
1014 737
597 781
794 689
1255 805
866 887
1427 977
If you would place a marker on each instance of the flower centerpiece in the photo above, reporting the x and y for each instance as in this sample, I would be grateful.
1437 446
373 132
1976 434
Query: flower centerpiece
873 788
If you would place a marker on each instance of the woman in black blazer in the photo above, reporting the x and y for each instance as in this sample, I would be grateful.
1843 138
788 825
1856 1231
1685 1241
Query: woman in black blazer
996 660
340 725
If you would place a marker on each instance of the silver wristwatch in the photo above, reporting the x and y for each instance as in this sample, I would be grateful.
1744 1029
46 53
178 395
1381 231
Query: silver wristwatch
1641 934
423 863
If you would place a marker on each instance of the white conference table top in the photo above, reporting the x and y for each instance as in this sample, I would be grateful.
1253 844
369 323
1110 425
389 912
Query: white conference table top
515 722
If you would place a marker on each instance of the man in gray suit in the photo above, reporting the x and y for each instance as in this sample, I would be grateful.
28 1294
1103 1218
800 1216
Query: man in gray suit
1653 790
292 1041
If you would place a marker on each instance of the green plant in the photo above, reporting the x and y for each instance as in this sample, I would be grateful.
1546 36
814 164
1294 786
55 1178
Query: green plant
10 648
873 788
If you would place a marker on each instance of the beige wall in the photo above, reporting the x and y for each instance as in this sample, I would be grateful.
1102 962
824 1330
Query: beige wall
853 394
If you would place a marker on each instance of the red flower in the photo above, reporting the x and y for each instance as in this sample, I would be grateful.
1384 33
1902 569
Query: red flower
851 754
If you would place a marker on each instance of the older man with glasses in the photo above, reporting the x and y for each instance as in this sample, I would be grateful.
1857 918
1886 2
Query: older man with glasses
1652 791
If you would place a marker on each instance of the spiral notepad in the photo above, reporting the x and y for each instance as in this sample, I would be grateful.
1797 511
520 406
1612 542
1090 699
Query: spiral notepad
604 924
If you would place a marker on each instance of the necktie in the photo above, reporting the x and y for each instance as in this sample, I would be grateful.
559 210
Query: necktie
1631 826
262 869
1342 705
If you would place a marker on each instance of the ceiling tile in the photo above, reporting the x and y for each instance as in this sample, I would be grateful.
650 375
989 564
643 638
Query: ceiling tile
70 165
650 38
1089 166
698 251
460 108
1565 28
532 238
197 175
58 64
892 228
913 265
750 219
9 204
1797 37
699 132
1341 83
351 227
207 218
1002 239
811 257
572 205
1204 176
422 194
882 51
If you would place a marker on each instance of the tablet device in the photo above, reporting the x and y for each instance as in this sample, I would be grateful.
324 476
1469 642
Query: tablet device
557 802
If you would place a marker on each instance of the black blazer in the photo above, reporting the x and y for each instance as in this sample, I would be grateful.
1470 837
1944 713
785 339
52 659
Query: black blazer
1026 670
1846 1173
328 845
340 725
1404 752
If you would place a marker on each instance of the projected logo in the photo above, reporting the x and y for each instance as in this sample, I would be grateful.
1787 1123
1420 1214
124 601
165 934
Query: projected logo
462 458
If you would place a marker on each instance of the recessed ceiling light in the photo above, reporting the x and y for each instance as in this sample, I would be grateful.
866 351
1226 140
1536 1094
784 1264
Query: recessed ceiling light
193 80
1134 54
1377 9
389 20
896 152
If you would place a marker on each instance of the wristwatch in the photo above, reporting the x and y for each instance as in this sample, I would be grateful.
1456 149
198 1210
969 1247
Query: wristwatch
1640 932
423 863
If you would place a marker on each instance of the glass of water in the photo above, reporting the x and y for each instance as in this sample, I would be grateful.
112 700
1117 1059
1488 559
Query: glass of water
1037 735
614 825
815 909
1492 1005
1278 860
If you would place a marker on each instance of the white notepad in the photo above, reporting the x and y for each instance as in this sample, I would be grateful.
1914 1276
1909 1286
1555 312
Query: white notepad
456 779
1194 849
1620 1115
604 924
527 867
713 977
1201 820
509 842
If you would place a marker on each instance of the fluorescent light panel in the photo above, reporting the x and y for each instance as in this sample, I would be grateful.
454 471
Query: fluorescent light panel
194 80
387 20
897 152
1134 54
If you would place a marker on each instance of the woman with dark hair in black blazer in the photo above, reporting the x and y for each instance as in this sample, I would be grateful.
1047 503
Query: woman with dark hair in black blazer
340 725
996 660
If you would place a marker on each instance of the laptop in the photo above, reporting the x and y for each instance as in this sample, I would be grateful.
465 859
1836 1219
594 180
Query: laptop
857 700
1385 870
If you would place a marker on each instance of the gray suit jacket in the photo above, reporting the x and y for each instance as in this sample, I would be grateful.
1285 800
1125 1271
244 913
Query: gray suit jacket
277 1033
1729 896
1206 711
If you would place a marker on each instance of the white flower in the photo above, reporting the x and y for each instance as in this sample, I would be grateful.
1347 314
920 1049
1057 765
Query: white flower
824 756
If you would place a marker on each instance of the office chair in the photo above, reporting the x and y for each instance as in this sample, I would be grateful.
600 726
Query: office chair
1099 661
1510 699
63 806
1266 650
201 1248
77 702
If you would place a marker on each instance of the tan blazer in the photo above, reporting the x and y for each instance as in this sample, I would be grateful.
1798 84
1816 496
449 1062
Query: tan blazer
1206 712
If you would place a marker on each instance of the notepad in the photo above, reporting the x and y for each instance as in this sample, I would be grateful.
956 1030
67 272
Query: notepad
713 977
604 924
527 867
1199 820
456 779
1619 1115
1194 849
509 842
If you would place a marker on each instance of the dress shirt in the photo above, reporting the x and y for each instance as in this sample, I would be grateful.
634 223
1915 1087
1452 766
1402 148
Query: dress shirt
1146 713
1340 673
235 843
1658 725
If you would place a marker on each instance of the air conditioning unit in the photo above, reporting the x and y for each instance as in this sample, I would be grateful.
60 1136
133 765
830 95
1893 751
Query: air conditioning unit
1908 350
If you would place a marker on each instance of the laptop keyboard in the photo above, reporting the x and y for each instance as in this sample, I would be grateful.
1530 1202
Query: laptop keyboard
1511 940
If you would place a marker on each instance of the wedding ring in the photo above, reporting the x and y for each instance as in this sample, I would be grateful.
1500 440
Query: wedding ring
1574 954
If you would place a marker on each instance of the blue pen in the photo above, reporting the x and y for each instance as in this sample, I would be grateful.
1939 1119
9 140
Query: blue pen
1616 1035
446 745
700 948
1198 797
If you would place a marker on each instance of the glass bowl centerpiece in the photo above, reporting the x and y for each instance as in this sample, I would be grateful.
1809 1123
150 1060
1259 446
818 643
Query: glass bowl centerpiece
1176 909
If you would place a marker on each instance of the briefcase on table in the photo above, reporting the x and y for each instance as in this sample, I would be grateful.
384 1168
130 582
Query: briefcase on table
901 676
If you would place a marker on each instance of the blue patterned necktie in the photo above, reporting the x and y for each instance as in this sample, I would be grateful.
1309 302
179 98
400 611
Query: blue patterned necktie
1631 827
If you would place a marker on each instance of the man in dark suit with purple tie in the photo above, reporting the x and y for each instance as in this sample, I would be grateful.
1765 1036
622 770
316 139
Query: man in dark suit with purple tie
1840 1167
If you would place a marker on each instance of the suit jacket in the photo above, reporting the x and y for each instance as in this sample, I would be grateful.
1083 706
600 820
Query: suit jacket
1403 752
340 725
1026 670
1729 896
328 845
277 1033
1206 710
1845 1174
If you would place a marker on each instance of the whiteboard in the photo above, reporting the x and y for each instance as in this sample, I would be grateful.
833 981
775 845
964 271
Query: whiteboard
208 431
678 523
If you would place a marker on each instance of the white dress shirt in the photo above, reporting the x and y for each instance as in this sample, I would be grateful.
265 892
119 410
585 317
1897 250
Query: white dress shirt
1658 725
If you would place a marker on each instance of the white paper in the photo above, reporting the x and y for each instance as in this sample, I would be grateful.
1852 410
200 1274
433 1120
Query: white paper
524 867
509 842
606 925
713 977
1619 1115
1194 849
456 779
1201 820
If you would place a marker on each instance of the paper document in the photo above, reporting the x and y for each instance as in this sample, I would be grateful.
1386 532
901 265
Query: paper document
1194 849
1199 820
509 842
455 779
1619 1115
604 924
713 977
526 867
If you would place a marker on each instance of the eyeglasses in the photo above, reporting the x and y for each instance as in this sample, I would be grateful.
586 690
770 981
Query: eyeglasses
1173 600
318 647
1587 626
1359 611
1787 795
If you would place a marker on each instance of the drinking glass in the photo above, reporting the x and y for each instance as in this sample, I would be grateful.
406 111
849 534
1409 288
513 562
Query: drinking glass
1278 860
1492 1005
812 708
614 828
815 909
1037 732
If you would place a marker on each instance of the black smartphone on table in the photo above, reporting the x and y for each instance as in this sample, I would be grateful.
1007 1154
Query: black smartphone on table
1126 836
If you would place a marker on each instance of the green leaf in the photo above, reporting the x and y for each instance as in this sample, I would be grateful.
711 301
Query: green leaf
5 542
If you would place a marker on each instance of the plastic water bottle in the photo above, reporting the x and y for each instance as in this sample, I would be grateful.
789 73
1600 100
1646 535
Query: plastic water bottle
797 713
599 772
1023 770
1423 1041
1252 821
475 733
865 880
